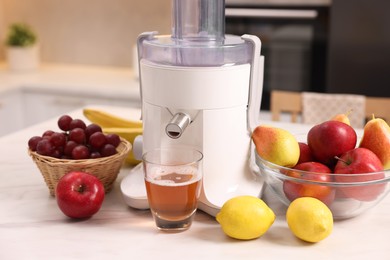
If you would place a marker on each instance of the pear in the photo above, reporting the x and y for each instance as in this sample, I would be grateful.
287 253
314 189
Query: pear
376 137
276 145
342 118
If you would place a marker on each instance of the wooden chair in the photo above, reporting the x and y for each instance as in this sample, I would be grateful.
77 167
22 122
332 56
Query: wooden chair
286 102
290 102
319 107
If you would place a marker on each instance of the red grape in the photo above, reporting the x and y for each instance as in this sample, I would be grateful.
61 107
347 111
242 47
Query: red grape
69 146
91 129
47 133
97 140
58 139
108 150
45 147
80 152
113 139
64 122
77 123
77 135
95 155
32 143
56 153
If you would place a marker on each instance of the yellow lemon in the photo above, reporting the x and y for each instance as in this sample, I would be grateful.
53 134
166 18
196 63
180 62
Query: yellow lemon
309 219
245 217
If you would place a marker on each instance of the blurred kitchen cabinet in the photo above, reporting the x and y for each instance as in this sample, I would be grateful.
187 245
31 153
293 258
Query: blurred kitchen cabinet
359 47
11 113
39 105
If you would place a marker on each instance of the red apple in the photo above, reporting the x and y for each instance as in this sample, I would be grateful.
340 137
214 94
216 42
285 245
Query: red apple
79 194
305 154
356 164
312 171
330 139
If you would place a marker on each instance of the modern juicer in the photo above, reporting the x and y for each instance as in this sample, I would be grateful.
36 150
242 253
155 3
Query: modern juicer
201 88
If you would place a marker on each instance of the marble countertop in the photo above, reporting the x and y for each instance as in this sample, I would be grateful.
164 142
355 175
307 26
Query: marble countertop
32 226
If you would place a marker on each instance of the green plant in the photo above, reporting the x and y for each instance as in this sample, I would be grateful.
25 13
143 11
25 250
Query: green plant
20 35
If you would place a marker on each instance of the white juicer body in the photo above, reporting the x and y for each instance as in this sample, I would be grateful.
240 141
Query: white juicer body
216 100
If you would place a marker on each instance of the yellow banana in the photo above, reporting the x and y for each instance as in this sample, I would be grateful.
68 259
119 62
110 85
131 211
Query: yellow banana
104 119
129 134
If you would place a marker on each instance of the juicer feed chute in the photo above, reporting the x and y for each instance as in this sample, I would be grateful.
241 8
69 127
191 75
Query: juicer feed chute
202 89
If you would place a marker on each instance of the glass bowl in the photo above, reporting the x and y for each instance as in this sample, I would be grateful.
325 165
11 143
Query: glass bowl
347 195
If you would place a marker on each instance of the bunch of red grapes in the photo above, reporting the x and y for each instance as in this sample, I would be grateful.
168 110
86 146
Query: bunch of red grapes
76 141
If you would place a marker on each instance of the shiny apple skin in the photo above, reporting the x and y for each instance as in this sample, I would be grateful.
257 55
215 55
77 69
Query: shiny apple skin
79 194
305 154
330 139
314 171
355 162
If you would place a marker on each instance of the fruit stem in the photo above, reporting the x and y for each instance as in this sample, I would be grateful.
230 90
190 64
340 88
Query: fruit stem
80 188
344 161
348 112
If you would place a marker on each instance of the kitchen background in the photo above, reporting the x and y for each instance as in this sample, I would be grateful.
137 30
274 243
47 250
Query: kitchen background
343 48
338 46
94 32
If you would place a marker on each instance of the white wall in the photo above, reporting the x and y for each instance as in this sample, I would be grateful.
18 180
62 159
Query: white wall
95 32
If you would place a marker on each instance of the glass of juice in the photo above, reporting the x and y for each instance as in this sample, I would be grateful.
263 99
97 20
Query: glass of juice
173 179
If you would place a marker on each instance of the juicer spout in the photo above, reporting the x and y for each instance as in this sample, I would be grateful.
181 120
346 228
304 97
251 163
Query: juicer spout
177 125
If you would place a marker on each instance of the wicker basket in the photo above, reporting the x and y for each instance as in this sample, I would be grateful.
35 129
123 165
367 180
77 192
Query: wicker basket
105 168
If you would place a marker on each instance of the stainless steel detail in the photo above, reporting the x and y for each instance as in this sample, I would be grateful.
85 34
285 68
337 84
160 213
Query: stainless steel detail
177 125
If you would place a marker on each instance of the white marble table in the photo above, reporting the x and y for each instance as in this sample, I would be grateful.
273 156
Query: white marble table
32 226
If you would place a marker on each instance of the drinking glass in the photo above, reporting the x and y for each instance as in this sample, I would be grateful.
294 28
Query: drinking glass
173 179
